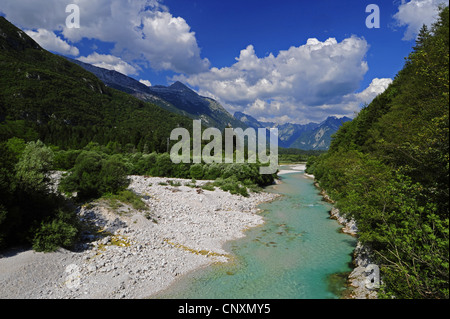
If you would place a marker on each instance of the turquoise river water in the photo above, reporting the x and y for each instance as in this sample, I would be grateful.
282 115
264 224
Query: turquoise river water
298 253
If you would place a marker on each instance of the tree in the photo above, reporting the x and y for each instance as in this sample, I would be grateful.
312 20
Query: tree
34 165
389 169
94 176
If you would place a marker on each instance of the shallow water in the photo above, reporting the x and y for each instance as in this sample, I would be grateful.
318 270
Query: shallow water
296 254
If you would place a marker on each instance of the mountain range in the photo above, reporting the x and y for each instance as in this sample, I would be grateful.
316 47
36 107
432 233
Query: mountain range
312 136
180 99
177 98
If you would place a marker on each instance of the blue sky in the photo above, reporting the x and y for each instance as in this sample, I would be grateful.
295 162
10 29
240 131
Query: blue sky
226 27
283 61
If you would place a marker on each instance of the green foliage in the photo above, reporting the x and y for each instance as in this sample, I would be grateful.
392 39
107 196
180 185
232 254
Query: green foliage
65 160
55 233
208 187
126 197
113 175
163 166
16 146
389 169
196 171
93 176
29 212
293 155
33 166
415 261
232 185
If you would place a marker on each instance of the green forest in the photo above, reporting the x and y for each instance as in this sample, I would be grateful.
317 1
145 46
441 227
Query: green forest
389 170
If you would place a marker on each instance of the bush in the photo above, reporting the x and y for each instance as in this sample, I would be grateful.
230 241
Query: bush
212 171
33 166
113 176
65 160
94 176
208 187
145 164
231 185
163 166
56 233
196 171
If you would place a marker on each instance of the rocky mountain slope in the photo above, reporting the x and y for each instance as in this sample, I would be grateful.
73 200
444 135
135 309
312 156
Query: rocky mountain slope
177 98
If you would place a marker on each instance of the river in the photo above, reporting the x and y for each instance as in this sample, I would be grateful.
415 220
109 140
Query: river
298 253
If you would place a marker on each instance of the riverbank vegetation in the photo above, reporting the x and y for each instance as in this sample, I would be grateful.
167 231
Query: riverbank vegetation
32 211
389 169
295 155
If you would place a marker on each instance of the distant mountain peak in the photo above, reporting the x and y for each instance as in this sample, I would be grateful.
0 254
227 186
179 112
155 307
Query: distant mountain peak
312 136
178 86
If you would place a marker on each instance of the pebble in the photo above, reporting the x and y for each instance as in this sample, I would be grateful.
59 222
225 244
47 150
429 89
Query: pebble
154 254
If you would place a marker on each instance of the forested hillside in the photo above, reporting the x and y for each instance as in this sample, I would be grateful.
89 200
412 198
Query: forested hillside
45 96
389 170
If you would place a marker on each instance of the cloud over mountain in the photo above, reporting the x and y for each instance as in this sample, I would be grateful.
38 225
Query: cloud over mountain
109 62
143 32
301 83
50 41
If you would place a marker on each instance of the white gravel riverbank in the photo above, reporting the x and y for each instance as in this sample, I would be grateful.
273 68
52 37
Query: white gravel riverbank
138 253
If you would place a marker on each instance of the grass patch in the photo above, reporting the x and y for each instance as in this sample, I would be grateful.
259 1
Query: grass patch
232 185
174 183
197 252
127 197
208 187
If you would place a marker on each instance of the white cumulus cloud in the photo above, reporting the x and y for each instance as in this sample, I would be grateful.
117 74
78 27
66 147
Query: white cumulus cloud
146 82
142 31
50 41
306 82
415 13
109 62
375 88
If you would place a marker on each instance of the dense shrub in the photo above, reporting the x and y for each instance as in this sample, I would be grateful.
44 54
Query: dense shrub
196 171
232 185
93 176
29 212
55 233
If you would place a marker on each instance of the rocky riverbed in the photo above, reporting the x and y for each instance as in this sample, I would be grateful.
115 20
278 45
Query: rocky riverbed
361 278
133 254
